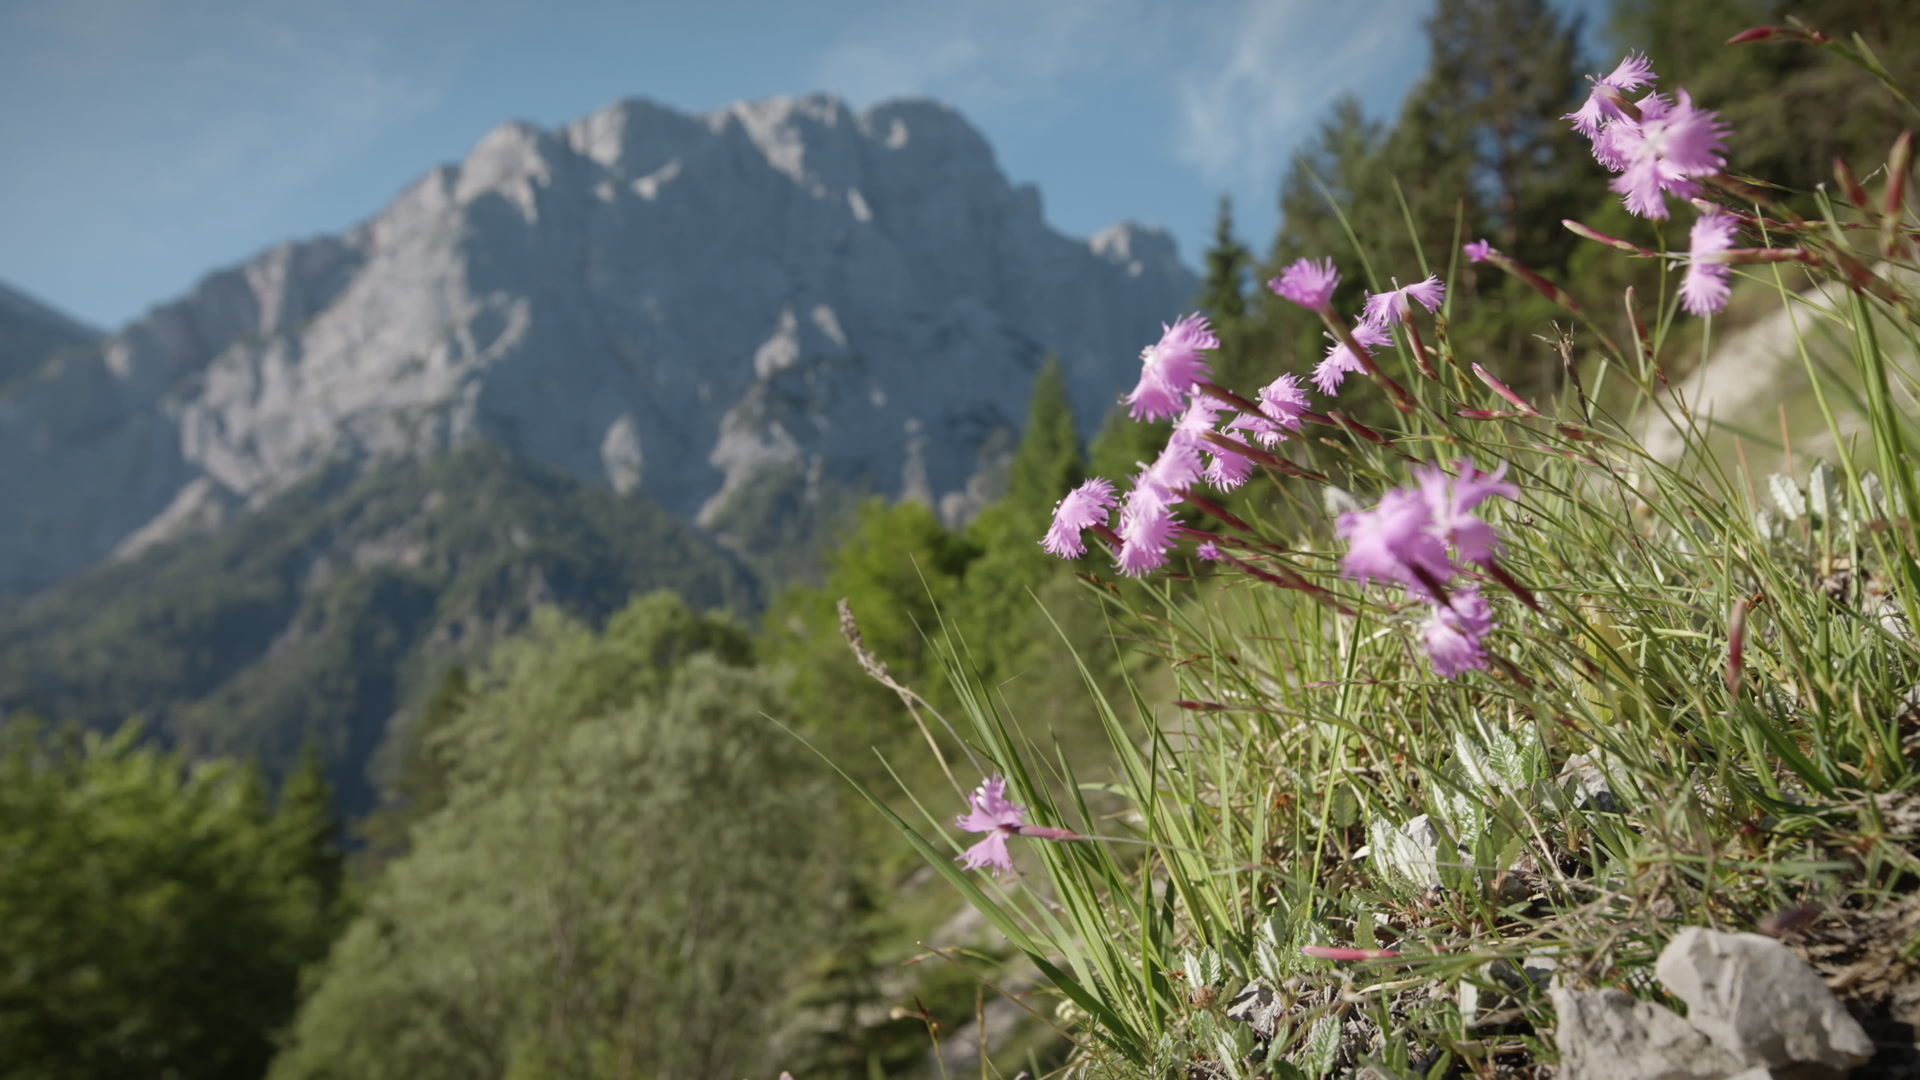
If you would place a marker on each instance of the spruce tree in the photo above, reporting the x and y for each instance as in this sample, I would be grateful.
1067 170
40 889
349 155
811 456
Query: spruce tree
1048 460
421 785
1503 73
309 831
1225 298
996 617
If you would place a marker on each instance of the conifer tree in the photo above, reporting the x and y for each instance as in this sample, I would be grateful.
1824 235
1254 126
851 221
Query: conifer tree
1503 73
308 830
996 616
421 785
1225 298
1048 460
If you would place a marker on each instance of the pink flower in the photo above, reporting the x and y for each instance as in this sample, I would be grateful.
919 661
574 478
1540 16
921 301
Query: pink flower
1478 251
1307 283
1146 530
1657 155
1082 508
1170 368
1633 73
1449 502
1405 539
1175 470
1455 630
1284 402
1208 551
1340 361
1384 309
992 813
1704 292
1202 414
1190 434
1395 542
1227 470
1282 406
1258 428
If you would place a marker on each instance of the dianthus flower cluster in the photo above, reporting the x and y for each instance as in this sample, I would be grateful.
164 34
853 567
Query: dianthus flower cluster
1213 441
1658 146
1423 537
1210 443
1311 285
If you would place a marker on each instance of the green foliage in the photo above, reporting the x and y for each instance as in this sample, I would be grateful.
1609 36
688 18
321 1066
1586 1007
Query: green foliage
154 917
994 612
898 569
621 881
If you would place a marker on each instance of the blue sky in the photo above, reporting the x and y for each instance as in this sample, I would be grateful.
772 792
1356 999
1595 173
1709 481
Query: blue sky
148 142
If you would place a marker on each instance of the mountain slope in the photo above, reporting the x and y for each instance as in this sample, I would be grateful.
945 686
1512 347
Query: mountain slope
320 616
30 332
785 298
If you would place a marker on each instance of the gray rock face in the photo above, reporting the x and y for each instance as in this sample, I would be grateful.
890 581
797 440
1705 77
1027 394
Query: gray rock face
665 302
1754 1010
1756 999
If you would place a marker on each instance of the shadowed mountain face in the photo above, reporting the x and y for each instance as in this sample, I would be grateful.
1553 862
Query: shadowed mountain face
30 332
321 617
779 298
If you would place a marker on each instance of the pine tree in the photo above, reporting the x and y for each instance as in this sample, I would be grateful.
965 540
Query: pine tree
421 786
1228 260
996 617
1503 74
309 831
1048 461
1224 298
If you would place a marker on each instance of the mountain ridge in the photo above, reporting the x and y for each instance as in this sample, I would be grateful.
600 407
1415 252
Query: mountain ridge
679 303
31 331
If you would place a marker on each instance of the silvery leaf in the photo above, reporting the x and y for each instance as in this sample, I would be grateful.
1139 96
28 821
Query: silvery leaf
1820 489
1786 495
1874 495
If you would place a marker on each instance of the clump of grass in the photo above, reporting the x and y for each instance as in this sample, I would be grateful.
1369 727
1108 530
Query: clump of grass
1698 708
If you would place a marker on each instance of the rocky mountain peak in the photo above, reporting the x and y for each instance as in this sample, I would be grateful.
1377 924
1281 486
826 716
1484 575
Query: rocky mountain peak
777 296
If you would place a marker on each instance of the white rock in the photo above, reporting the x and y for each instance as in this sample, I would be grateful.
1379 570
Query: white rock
1610 1035
1759 1001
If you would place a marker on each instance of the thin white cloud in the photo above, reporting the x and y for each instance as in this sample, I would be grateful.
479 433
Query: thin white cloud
987 53
218 92
1249 77
1274 67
